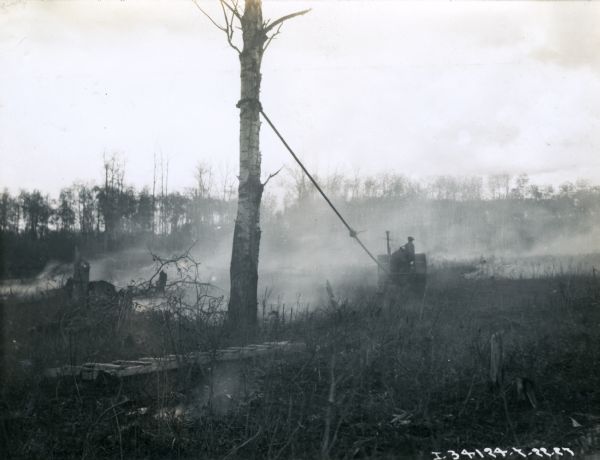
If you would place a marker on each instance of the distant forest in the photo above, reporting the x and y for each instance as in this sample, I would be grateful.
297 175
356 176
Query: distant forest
446 214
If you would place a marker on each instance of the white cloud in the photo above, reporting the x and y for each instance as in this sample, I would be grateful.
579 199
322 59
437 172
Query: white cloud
457 88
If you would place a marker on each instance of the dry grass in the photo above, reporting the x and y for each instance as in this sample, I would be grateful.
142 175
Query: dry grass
384 377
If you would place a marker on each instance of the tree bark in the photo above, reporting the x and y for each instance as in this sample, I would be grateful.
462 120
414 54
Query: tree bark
243 302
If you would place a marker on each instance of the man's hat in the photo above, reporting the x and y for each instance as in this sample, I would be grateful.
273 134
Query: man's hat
410 238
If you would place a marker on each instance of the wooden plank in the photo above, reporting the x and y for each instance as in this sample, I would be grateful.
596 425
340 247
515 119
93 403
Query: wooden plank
143 366
132 363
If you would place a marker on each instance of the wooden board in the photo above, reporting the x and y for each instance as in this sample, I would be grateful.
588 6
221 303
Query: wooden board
141 366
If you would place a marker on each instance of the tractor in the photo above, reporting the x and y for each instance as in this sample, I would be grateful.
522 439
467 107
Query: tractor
396 270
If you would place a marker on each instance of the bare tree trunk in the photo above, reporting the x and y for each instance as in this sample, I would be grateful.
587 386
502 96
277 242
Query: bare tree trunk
154 199
243 298
243 302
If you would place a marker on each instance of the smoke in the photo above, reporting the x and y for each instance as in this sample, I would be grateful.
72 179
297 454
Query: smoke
532 267
304 245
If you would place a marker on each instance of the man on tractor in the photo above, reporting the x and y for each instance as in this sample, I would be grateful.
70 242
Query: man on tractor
403 259
409 248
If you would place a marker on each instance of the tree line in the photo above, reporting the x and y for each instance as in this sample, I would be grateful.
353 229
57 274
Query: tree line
115 209
449 216
494 210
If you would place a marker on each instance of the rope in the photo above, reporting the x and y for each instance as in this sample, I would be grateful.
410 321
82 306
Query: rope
352 232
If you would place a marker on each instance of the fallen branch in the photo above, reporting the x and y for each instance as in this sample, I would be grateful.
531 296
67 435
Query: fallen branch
242 445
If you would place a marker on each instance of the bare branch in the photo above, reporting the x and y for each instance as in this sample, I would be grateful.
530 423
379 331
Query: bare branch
234 9
228 27
161 263
273 35
224 29
282 19
271 176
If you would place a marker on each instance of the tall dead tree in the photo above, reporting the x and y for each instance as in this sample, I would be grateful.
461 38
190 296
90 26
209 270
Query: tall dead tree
256 37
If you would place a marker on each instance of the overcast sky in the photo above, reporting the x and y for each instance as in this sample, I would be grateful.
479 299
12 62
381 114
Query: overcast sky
419 88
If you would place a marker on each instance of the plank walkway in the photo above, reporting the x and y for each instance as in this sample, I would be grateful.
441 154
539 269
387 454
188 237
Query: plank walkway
143 366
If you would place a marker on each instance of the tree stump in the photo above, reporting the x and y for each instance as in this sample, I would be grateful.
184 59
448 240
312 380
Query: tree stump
496 361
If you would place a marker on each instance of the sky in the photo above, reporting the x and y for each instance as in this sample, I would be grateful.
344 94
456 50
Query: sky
422 89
